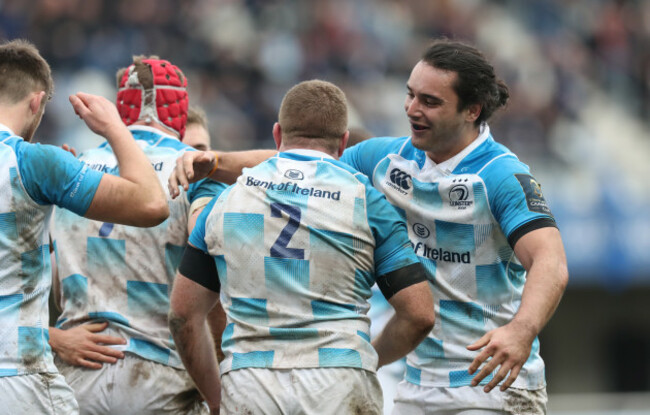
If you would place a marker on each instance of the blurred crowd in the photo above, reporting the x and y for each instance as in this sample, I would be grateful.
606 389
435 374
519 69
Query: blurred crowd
241 55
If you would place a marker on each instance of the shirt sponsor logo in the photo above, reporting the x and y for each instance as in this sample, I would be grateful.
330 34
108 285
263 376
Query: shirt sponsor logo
293 174
421 231
458 195
534 197
439 254
293 188
105 168
80 178
400 181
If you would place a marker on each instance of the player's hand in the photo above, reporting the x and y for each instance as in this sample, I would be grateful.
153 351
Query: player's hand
98 113
509 347
191 167
69 149
83 346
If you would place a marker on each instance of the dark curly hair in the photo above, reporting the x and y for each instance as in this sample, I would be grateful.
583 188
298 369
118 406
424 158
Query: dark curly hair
476 82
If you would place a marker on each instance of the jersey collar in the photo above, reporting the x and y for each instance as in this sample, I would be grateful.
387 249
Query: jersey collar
152 130
309 153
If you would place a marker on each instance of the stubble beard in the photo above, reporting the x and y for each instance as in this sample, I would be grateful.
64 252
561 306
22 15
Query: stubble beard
30 129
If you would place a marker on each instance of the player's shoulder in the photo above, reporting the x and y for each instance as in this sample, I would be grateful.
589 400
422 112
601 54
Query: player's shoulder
386 145
490 159
10 141
38 153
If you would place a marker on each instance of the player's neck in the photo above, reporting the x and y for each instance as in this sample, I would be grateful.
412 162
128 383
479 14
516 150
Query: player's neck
322 149
443 154
13 117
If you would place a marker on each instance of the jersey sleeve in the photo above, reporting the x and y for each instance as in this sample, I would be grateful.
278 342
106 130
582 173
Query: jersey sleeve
393 248
365 156
205 188
516 200
197 237
54 176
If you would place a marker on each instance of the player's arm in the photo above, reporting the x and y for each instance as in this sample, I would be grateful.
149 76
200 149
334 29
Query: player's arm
223 167
217 322
407 290
402 280
194 294
542 254
135 197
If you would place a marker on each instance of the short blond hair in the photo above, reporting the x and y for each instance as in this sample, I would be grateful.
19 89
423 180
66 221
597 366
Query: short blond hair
23 71
196 115
314 110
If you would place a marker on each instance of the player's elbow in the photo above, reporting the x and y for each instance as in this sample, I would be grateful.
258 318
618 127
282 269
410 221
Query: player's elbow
153 213
420 324
175 321
562 276
159 211
424 322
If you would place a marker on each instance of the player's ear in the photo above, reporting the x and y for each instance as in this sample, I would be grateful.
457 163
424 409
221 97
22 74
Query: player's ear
277 135
473 112
35 101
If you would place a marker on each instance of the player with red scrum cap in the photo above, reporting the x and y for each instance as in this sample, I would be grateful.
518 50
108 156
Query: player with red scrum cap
113 281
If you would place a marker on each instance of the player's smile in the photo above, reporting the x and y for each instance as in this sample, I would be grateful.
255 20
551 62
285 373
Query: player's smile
418 127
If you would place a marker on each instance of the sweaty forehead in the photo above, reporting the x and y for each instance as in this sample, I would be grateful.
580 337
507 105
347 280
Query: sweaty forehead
428 80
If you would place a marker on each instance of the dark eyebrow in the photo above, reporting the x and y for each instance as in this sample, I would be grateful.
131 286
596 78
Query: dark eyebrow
427 97
432 98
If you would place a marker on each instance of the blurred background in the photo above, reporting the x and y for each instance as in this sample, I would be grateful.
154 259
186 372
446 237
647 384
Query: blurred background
579 77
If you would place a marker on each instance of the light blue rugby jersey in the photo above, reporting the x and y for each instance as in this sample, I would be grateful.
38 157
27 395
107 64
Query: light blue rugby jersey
123 274
32 178
461 214
298 243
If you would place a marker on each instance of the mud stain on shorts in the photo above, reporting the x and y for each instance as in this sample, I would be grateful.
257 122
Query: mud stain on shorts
525 402
188 401
139 371
361 406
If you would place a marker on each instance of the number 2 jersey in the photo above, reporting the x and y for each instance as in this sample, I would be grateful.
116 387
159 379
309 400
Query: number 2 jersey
123 274
33 177
298 242
464 217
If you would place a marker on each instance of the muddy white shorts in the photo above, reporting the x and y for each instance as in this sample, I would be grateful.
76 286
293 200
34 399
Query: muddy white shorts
39 393
133 385
301 391
412 399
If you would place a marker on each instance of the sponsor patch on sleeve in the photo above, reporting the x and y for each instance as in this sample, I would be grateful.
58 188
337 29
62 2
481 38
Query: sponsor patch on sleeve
534 197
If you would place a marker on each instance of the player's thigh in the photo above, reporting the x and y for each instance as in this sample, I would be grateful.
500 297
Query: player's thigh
40 393
144 387
301 391
413 399
255 391
92 388
338 391
134 385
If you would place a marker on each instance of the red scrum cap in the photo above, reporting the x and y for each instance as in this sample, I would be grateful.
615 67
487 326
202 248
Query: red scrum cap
153 90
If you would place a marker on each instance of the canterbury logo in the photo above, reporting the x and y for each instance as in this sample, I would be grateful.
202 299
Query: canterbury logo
400 178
